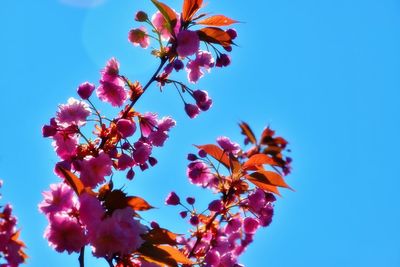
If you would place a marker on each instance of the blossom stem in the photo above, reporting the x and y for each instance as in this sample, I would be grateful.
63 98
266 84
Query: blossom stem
153 78
81 257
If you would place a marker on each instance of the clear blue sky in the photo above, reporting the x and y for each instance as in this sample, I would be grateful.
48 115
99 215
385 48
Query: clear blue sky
324 74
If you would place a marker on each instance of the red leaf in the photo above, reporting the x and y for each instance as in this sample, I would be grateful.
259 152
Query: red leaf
160 236
72 180
215 35
246 130
138 203
169 15
263 184
190 7
217 153
259 159
217 20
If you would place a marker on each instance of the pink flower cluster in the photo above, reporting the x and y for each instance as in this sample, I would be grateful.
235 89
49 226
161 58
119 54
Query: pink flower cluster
75 222
11 248
179 44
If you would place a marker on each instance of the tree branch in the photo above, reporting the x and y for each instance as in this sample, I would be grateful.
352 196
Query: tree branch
81 257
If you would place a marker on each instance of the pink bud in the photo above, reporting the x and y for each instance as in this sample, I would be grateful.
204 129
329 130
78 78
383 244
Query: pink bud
192 110
141 16
232 33
191 157
130 175
215 206
194 220
48 131
126 127
85 90
190 200
154 225
183 214
172 199
212 258
152 161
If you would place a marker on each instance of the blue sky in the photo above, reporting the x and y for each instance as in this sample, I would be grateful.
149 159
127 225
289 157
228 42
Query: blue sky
324 74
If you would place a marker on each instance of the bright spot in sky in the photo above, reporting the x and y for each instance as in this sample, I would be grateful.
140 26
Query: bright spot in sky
83 3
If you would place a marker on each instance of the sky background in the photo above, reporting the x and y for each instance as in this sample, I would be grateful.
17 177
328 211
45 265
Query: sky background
323 74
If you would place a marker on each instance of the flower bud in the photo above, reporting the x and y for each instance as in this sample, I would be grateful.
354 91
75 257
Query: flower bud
190 200
232 33
130 175
191 157
192 110
172 199
194 220
215 206
85 90
141 16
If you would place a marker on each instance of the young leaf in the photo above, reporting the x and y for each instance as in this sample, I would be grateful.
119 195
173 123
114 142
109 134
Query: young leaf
138 203
217 20
259 159
168 14
72 180
160 236
215 35
263 184
217 153
246 130
190 7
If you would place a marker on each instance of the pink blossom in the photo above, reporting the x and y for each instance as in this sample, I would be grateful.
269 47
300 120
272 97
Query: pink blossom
227 145
215 206
111 70
194 68
199 173
212 258
90 210
112 87
65 234
125 162
188 43
140 37
119 233
202 99
147 121
126 127
250 225
75 112
142 152
112 91
94 169
256 200
160 24
59 198
158 136
85 90
65 145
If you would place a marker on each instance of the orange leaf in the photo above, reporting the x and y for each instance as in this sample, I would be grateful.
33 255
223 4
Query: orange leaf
168 14
259 159
72 180
138 203
163 255
217 153
263 184
160 236
272 178
246 130
215 35
236 167
217 20
190 7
